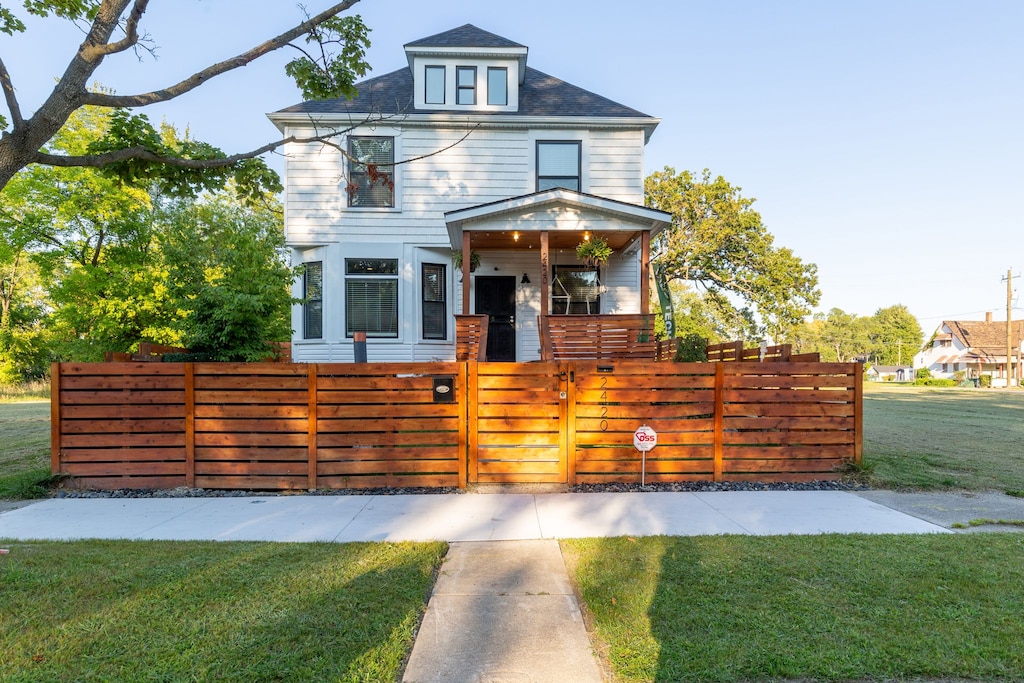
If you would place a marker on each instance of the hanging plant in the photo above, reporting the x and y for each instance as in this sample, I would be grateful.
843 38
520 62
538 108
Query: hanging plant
593 252
474 260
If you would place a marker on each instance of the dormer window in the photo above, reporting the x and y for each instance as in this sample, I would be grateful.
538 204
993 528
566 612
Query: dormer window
434 84
465 81
497 86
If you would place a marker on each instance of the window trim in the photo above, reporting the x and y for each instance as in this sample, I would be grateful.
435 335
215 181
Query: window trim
353 172
306 312
443 301
579 165
354 277
426 83
459 88
504 92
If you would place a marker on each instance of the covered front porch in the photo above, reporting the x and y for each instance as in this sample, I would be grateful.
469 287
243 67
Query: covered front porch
538 234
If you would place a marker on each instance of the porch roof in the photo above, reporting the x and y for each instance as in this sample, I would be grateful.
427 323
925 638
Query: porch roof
563 214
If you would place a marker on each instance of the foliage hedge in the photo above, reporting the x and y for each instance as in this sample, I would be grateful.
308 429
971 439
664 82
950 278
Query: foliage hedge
934 382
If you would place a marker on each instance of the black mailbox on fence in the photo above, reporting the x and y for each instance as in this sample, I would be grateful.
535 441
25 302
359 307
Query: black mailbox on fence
444 389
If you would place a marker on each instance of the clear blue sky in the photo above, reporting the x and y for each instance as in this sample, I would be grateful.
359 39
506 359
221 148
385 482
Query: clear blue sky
882 139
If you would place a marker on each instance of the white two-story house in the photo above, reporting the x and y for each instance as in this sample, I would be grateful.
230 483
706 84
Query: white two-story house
467 150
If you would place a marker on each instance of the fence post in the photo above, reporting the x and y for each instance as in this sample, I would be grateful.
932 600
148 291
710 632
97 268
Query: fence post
55 428
312 370
719 415
858 414
190 426
359 347
464 402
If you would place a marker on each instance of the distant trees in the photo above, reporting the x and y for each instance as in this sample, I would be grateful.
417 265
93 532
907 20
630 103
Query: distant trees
889 337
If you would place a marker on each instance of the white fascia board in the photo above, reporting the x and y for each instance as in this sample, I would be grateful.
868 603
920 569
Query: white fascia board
346 119
517 53
655 219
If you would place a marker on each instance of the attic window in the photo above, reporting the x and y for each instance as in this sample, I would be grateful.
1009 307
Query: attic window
434 84
465 81
497 86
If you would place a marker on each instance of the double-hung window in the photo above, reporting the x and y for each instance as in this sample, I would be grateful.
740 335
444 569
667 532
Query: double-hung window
465 85
434 84
371 297
558 165
313 300
497 86
371 171
435 311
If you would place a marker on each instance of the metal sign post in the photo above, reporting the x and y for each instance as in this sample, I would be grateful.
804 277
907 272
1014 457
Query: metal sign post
644 439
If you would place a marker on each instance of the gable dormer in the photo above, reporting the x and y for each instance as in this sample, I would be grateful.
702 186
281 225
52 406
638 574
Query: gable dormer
466 69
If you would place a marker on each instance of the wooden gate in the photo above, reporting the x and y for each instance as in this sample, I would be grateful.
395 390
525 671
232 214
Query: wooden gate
522 434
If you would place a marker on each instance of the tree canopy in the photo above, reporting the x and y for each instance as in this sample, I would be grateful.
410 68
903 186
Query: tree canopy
719 246
889 337
132 148
90 264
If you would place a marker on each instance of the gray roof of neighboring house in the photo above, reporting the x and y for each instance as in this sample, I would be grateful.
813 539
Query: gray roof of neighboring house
464 36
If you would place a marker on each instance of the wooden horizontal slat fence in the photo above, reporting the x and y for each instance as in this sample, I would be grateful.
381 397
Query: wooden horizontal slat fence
267 426
586 337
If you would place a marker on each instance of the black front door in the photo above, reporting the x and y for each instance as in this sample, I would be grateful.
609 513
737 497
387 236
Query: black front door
496 298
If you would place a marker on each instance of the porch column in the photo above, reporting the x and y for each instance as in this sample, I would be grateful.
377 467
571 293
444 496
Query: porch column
467 256
645 272
544 285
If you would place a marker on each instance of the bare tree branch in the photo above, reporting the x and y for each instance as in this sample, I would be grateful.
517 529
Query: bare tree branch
131 33
12 101
197 79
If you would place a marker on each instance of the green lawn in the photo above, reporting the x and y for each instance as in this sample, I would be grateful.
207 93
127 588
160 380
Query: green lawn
170 611
930 438
821 608
25 448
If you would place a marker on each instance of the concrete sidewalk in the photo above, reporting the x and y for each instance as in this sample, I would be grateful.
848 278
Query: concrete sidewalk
458 517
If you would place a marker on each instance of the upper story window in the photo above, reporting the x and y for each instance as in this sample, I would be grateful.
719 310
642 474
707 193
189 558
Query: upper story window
371 171
497 86
558 165
313 296
434 81
465 82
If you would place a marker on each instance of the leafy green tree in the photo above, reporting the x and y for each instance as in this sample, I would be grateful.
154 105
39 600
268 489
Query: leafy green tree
896 336
719 245
229 276
131 150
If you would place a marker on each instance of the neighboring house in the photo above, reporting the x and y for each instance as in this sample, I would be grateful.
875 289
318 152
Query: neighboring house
975 348
890 373
465 149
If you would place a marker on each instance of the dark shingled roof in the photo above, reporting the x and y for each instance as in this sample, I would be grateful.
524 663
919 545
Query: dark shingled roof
539 95
464 36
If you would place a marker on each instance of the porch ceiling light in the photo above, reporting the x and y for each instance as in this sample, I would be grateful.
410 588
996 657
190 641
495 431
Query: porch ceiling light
515 235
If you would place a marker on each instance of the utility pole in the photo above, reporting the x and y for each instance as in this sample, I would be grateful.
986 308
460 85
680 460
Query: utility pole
1009 329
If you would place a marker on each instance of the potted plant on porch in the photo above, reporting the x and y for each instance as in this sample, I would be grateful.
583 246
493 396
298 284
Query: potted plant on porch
593 252
474 260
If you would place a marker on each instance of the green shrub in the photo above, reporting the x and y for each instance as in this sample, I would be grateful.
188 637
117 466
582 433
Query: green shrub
934 382
923 373
986 380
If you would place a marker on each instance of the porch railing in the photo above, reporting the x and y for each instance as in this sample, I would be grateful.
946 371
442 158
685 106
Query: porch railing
597 337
